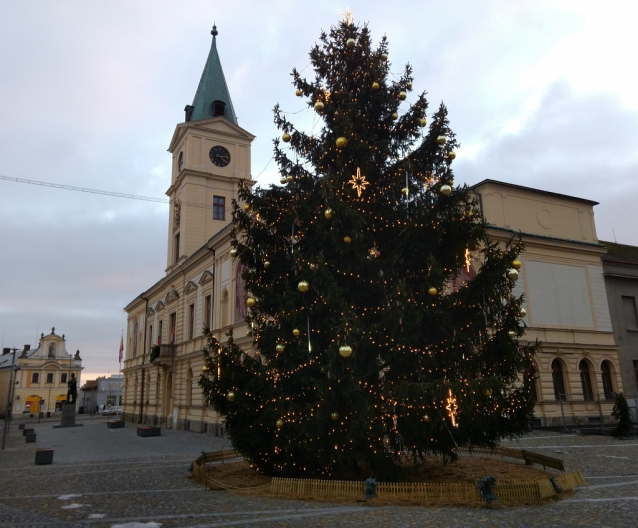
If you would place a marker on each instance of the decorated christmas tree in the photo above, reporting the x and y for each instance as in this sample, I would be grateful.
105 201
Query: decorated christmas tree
383 321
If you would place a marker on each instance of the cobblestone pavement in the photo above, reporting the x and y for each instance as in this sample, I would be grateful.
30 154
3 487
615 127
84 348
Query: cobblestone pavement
107 478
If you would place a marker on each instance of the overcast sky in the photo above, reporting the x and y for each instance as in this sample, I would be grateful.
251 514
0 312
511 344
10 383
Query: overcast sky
540 93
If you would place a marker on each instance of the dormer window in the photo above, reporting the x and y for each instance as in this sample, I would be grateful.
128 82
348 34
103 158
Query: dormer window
219 108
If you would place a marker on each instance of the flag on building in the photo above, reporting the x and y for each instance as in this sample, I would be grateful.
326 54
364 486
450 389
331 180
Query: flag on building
121 348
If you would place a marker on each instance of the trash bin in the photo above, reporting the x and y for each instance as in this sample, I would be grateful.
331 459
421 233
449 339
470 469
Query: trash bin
41 414
48 414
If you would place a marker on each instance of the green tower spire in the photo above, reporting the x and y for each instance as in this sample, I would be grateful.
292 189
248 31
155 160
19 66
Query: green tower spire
212 97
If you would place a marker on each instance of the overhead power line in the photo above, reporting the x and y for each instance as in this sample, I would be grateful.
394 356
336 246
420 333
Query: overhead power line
97 191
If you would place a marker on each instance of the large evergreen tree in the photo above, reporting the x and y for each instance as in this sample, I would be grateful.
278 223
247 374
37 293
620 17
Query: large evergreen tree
371 347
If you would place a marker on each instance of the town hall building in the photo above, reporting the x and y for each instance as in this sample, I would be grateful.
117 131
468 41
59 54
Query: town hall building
578 369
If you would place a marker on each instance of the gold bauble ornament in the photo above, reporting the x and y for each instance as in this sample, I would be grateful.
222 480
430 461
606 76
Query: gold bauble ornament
234 253
282 180
426 418
522 312
285 138
347 239
298 93
246 207
350 43
511 333
441 140
318 106
375 85
328 213
433 291
384 57
312 266
303 286
296 332
488 393
251 302
446 190
289 178
205 369
395 116
334 416
279 423
345 351
409 86
248 332
405 191
516 264
423 121
279 348
403 96
341 142
451 155
266 263
512 274
231 396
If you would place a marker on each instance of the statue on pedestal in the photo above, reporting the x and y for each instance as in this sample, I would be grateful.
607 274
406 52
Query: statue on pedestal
72 393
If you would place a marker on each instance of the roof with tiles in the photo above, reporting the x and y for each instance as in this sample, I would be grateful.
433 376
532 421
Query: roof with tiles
620 253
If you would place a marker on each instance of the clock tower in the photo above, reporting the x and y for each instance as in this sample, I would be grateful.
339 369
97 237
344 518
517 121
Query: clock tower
211 155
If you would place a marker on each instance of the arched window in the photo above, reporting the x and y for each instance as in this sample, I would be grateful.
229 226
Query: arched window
135 332
180 162
608 386
559 380
585 380
189 387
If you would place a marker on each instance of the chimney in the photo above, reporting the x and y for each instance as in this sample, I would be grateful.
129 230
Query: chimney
5 351
26 348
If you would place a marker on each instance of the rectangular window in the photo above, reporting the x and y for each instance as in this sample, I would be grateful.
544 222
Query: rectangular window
209 304
49 377
636 372
629 311
176 248
219 208
63 377
35 377
173 329
159 332
150 337
191 321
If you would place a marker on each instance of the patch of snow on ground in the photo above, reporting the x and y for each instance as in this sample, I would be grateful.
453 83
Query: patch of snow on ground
97 516
67 497
73 506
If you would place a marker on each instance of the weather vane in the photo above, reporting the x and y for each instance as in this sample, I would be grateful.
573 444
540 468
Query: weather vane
348 16
359 182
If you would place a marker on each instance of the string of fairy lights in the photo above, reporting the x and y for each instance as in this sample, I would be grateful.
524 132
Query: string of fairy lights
313 343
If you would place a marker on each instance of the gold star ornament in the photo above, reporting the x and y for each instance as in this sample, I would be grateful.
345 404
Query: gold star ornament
348 16
359 182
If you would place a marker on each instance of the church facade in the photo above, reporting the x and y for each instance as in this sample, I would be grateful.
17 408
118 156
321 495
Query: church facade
40 376
578 370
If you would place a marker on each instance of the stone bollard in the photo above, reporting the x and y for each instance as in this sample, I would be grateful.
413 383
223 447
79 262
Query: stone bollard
44 456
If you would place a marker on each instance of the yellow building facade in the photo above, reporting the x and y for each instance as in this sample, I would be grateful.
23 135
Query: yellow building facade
566 301
40 375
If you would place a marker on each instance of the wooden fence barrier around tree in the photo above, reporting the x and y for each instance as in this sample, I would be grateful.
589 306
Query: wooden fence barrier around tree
427 493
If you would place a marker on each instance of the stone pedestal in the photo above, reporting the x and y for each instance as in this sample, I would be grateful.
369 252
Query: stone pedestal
68 415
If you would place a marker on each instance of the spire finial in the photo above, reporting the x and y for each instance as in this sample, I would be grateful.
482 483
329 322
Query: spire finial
214 32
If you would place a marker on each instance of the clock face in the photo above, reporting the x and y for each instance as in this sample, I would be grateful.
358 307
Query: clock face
219 156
